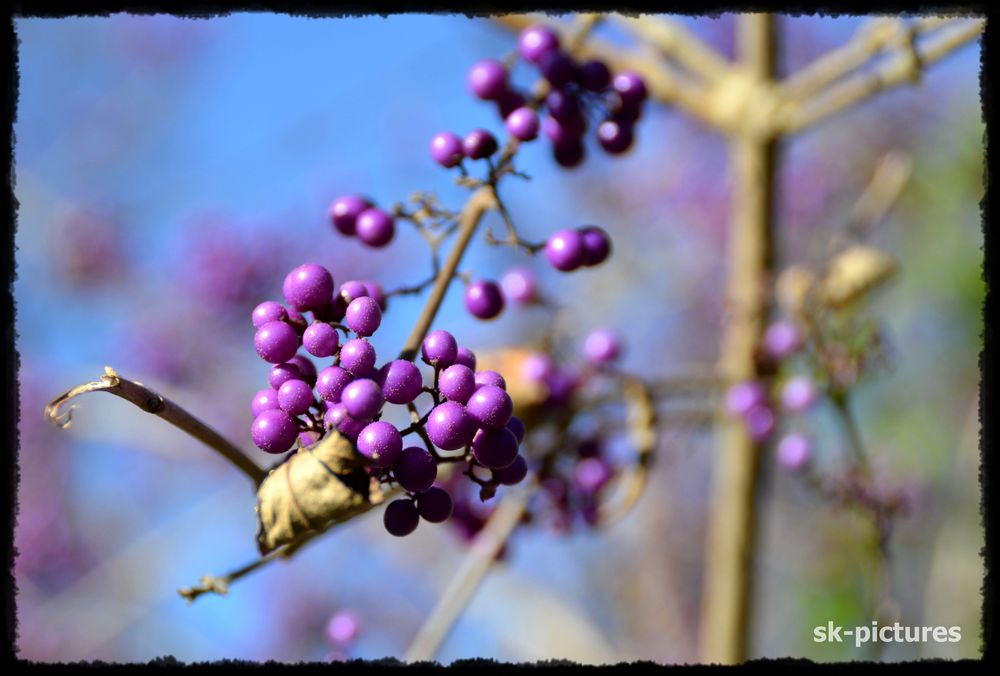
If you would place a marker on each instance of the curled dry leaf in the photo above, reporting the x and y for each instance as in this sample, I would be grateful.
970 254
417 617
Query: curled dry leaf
318 486
852 273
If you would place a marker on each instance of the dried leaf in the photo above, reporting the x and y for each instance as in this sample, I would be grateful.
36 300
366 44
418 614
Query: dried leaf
320 485
852 273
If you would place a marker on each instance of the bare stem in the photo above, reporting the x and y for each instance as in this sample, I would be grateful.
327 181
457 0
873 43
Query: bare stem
154 403
468 577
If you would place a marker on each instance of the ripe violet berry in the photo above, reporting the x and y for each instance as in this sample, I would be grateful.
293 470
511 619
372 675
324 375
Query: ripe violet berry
596 245
449 426
565 250
351 290
375 227
307 370
488 80
782 339
466 357
268 311
401 381
491 378
490 407
331 382
743 396
516 425
512 474
281 372
595 76
446 149
381 443
495 449
798 394
457 383
343 627
264 400
363 316
479 144
276 342
295 397
345 210
274 431
535 42
415 469
483 299
523 124
363 399
400 517
615 136
519 285
435 504
321 340
794 452
357 356
759 422
439 349
308 286
601 346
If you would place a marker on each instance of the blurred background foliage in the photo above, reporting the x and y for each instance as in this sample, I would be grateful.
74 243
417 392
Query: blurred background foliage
154 152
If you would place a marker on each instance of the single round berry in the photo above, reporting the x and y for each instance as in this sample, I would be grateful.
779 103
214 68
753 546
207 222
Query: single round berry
567 132
375 227
782 339
351 428
483 299
602 346
569 155
516 425
308 286
798 394
490 407
512 474
321 340
335 415
268 311
343 627
439 348
479 144
307 370
457 383
491 379
274 431
415 469
400 517
562 105
265 400
565 250
495 449
615 136
630 87
537 367
435 504
331 312
508 102
363 399
595 76
276 342
759 422
558 69
466 357
560 387
380 442
363 316
488 80
449 426
591 474
794 452
446 149
523 124
596 245
295 397
345 210
743 396
401 381
331 382
357 356
296 320
351 290
282 372
535 42
519 285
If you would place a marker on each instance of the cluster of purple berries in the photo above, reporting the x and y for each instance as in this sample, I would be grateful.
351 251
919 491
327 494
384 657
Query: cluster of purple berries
572 490
357 216
755 405
575 92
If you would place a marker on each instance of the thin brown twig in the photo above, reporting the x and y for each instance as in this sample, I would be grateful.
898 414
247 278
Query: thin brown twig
151 402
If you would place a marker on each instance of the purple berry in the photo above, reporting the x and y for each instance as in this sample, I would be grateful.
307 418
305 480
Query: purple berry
357 356
519 285
558 68
595 76
743 396
782 339
446 149
488 80
268 311
591 475
345 210
295 397
401 381
537 367
561 385
794 452
798 394
495 449
439 349
321 340
466 357
307 370
615 136
490 407
602 346
335 415
363 316
449 426
331 383
351 290
596 245
375 227
483 299
631 88
363 399
265 400
380 442
565 250
308 286
415 469
523 124
274 431
343 627
375 291
434 504
516 425
568 155
759 422
567 132
282 372
479 144
512 474
491 379
535 42
400 517
351 428
457 383
276 342
508 102
562 105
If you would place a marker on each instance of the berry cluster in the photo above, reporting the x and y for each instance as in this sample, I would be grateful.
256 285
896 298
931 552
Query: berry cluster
471 412
357 216
576 96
